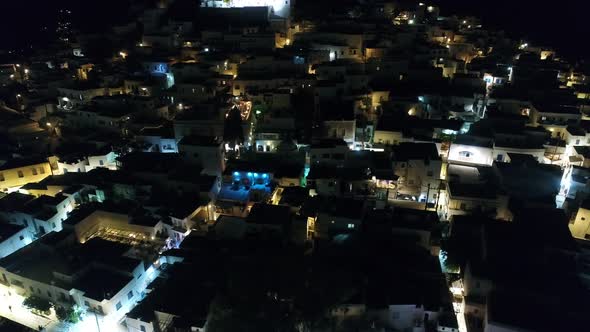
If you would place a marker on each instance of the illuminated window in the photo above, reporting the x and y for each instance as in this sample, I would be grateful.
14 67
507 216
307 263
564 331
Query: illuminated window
350 226
465 154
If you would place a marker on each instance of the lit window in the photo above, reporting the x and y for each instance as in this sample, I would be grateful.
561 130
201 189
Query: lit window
465 154
350 226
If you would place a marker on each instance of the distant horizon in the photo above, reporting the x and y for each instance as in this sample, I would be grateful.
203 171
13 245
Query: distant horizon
525 18
532 19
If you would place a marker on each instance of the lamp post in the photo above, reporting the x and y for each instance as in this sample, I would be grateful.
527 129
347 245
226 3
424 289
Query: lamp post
95 317
19 101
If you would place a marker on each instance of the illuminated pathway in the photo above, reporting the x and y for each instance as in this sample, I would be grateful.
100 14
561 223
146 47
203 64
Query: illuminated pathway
11 308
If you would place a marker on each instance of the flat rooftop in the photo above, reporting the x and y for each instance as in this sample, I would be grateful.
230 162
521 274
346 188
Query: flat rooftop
8 230
101 284
269 214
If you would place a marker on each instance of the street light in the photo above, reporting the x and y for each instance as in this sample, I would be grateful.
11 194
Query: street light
48 124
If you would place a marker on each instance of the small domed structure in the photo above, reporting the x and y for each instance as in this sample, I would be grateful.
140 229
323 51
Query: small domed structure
287 146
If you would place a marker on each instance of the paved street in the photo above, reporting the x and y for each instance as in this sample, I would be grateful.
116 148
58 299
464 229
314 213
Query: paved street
11 307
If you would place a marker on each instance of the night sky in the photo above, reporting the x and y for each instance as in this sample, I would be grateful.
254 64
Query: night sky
562 25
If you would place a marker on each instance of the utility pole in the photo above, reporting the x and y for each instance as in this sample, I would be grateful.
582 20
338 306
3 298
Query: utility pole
427 195
438 196
97 324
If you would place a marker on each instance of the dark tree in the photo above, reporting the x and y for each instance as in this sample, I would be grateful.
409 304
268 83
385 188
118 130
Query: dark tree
36 303
232 131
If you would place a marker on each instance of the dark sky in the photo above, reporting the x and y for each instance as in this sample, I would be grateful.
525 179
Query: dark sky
24 25
561 24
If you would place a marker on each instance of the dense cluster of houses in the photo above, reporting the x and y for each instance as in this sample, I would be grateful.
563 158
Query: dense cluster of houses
439 167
